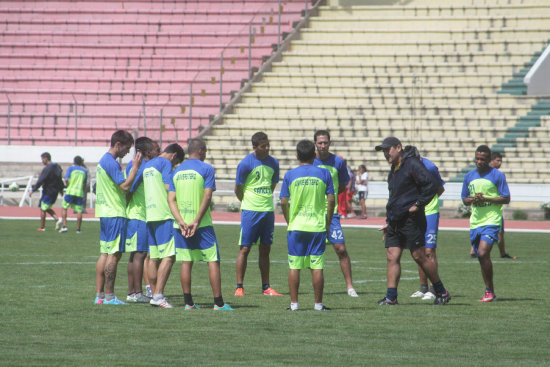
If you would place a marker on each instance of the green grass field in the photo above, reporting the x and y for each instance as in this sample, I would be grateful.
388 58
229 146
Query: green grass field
47 315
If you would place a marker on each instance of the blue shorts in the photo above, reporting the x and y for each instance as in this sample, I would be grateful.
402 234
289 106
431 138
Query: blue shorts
137 236
46 201
432 222
256 226
161 239
112 235
75 202
488 234
306 249
336 232
203 246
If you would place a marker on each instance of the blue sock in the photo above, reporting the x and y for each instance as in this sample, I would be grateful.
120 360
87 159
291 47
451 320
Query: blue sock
439 288
239 285
265 286
391 294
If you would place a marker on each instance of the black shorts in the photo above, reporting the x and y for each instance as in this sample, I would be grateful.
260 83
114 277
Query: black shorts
408 233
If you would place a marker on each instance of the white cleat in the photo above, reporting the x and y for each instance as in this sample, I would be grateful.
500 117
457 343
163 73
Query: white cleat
428 296
352 293
417 294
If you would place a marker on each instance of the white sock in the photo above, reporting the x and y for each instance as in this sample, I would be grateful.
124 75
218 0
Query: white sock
293 306
318 306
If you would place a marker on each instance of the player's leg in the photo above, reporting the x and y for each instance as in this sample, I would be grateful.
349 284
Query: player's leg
149 291
152 271
130 272
242 260
163 274
294 284
185 277
249 235
110 273
318 284
78 221
393 264
484 257
337 239
100 278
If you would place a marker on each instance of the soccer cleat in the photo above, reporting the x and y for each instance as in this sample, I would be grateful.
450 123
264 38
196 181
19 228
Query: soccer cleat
239 292
131 298
98 301
225 307
417 294
141 298
473 256
191 308
507 256
64 229
268 292
352 292
325 308
114 301
149 292
41 229
428 296
290 309
58 224
351 215
384 301
443 299
488 297
162 303
78 231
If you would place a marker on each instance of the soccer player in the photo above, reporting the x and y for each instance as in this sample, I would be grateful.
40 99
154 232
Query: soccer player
49 178
257 176
111 189
496 162
411 188
157 176
189 198
306 194
74 194
486 190
137 235
432 220
340 178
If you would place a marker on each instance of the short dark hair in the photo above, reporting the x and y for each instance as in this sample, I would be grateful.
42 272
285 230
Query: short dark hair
78 160
195 145
46 155
321 132
122 137
258 137
144 145
484 149
496 155
363 167
175 148
305 150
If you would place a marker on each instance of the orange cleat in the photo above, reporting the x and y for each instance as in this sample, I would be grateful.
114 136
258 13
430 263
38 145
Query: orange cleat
271 292
239 292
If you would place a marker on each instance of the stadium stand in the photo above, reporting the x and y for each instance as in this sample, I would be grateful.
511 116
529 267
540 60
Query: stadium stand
445 76
98 65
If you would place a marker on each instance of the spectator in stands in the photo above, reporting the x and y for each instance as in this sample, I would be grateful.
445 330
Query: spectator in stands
257 176
137 235
111 189
304 192
189 198
496 162
362 186
162 249
75 178
411 188
432 220
486 190
340 178
51 181
350 191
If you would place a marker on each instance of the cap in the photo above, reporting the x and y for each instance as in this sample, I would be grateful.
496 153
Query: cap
390 141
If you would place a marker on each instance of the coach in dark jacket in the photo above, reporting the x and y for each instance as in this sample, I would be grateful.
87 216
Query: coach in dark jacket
411 187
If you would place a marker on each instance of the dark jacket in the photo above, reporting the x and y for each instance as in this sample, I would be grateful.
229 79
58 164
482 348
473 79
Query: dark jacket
51 180
412 184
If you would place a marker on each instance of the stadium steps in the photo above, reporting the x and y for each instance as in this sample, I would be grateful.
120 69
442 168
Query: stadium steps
123 61
516 85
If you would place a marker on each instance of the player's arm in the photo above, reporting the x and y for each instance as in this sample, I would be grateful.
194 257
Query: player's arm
239 192
341 188
426 185
206 200
285 207
173 204
496 200
330 209
440 191
136 162
273 186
